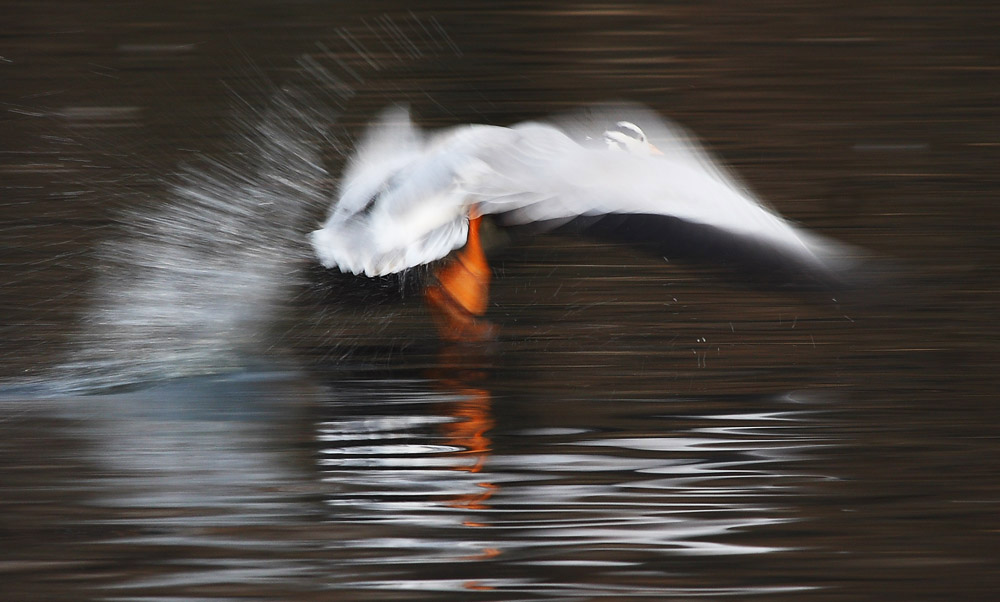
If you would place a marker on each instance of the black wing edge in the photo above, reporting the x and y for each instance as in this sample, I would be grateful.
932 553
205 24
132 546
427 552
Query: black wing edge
751 260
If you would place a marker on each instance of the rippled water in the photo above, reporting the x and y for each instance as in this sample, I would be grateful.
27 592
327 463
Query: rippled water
641 429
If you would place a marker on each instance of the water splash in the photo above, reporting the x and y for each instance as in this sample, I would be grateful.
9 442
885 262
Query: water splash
195 283
191 286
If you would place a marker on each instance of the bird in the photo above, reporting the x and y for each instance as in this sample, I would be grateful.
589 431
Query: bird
408 198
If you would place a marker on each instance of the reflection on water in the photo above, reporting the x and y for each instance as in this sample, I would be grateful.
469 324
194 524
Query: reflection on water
444 495
457 484
415 485
206 464
549 503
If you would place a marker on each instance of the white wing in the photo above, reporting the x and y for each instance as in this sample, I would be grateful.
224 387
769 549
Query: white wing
549 178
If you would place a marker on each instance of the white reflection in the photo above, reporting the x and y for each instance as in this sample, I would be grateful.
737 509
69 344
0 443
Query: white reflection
204 465
633 496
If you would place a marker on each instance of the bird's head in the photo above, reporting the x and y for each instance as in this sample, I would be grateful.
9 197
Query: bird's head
627 136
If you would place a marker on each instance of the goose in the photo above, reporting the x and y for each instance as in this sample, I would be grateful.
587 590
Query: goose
409 198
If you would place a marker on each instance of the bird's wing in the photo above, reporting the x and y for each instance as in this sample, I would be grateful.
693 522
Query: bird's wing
671 139
546 177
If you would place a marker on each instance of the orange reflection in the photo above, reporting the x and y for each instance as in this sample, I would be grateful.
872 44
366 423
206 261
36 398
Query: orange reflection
473 420
473 414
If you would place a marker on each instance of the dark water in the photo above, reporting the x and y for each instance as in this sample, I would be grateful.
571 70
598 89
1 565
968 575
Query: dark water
639 430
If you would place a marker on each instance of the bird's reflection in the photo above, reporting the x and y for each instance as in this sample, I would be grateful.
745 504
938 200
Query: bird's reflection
473 414
407 472
614 485
472 411
417 483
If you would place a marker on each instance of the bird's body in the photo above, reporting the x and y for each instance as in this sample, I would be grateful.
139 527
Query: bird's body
406 198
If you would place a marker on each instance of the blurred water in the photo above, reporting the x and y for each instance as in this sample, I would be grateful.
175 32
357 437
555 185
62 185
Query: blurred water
640 429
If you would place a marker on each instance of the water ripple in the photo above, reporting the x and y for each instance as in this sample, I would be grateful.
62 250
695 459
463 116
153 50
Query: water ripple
430 490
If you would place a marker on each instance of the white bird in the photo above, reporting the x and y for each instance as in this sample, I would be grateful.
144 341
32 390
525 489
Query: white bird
407 198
